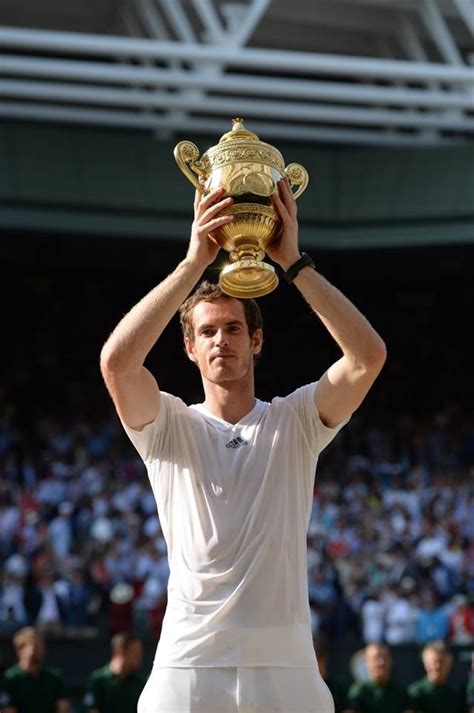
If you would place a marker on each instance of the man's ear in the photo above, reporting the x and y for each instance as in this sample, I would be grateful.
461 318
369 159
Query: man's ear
189 349
257 339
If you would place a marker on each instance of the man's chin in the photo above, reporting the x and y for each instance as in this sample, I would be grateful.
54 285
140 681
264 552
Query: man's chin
221 373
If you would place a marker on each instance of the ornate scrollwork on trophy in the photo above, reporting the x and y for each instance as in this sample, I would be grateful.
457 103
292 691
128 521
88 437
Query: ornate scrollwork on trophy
249 154
187 157
297 176
249 171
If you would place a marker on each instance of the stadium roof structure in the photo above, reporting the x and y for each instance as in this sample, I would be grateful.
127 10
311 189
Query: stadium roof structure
377 72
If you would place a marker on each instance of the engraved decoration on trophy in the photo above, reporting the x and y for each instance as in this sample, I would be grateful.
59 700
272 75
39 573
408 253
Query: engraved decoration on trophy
249 170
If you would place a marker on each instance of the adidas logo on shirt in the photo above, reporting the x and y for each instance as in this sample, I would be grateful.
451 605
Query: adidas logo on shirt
237 442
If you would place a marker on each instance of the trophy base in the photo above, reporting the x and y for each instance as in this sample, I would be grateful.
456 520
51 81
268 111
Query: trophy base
248 278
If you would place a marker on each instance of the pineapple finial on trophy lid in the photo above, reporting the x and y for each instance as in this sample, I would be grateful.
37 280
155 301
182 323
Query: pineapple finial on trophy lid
239 131
237 122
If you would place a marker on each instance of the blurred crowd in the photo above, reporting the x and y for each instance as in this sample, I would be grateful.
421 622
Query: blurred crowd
391 534
391 537
390 541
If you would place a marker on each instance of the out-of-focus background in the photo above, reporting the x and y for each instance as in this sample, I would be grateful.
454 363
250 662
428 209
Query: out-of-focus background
376 99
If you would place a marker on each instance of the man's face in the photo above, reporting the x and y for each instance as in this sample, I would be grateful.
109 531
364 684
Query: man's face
437 666
378 663
32 652
222 347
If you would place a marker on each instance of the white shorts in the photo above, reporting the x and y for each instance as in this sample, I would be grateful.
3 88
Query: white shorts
235 690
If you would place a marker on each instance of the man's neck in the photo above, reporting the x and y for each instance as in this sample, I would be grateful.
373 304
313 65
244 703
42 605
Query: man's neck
437 681
383 681
34 669
230 401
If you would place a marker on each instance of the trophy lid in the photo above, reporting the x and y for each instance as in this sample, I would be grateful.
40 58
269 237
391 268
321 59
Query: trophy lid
238 131
241 145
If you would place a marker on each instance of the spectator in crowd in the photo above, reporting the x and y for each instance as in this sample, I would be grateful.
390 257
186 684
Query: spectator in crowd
378 694
9 517
401 615
372 614
12 593
461 621
433 618
30 686
433 693
120 608
78 599
117 686
50 614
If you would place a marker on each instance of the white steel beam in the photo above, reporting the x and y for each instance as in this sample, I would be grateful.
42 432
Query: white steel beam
440 33
409 39
230 105
465 9
269 130
215 31
236 32
179 20
130 22
287 61
148 13
156 77
251 16
414 48
411 5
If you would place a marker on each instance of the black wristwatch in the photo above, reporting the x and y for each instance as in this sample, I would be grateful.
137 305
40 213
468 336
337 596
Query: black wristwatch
293 270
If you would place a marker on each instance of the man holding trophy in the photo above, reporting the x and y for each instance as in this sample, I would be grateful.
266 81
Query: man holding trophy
233 476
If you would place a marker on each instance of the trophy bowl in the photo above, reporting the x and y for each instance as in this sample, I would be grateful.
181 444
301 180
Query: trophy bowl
248 170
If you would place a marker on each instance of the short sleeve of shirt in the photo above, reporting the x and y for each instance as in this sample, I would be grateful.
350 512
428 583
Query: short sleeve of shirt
318 436
150 442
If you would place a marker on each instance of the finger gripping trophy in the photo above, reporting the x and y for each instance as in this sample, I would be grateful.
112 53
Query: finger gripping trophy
248 170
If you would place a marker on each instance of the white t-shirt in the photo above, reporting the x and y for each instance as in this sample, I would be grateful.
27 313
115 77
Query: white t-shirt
234 502
373 614
401 622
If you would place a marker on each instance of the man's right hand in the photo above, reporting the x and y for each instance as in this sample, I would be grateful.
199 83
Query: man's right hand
134 390
203 249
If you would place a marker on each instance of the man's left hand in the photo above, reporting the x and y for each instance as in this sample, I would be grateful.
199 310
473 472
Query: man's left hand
284 250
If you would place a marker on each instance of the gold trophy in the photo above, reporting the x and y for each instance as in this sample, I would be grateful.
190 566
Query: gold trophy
249 170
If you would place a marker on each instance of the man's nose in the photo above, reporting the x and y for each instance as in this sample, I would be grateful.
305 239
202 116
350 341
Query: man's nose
221 337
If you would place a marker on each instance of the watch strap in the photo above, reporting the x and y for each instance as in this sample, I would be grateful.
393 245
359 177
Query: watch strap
304 261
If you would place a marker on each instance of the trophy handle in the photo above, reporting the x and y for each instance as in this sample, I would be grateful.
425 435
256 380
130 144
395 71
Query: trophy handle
187 154
297 176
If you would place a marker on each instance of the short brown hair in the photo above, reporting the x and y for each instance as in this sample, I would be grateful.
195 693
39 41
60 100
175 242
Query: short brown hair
25 636
438 646
210 292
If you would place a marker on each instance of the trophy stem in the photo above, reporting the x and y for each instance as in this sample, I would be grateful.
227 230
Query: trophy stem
248 277
246 251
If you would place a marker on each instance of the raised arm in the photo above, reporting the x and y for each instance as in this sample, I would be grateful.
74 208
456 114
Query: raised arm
132 387
345 384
